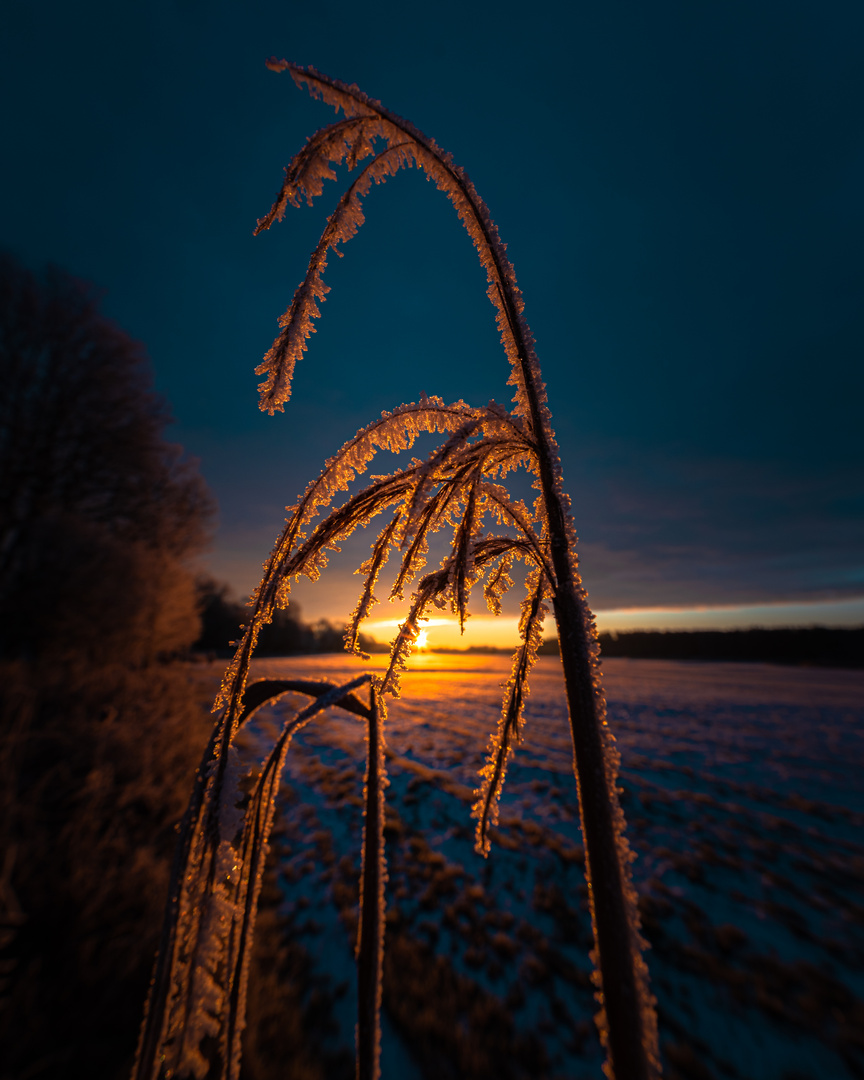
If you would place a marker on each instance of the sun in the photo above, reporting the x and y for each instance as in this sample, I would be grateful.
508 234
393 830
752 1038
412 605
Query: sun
422 641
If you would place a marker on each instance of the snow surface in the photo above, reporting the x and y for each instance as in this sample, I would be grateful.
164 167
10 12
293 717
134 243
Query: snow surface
744 800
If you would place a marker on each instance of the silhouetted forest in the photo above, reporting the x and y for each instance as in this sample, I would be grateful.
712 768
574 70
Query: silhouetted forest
222 620
817 645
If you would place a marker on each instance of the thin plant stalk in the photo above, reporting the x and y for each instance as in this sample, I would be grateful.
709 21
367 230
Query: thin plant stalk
195 1012
373 874
627 1018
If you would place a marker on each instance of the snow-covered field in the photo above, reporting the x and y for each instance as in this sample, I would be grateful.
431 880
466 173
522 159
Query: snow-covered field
743 790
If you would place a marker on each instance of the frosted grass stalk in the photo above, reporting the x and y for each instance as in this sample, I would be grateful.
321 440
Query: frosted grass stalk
195 1013
370 934
627 1019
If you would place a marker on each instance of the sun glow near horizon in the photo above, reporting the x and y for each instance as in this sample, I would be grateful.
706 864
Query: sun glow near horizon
443 632
332 598
489 631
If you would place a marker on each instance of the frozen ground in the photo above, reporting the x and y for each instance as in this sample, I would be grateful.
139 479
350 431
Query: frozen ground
744 798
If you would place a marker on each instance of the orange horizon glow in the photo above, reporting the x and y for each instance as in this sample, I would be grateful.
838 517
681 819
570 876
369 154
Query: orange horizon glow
335 595
482 630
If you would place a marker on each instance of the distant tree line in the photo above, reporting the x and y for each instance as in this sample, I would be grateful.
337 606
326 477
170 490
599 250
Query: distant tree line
817 645
222 619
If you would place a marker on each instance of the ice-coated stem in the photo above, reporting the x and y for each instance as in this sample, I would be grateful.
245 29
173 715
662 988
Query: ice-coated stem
627 1022
370 938
627 1019
167 1046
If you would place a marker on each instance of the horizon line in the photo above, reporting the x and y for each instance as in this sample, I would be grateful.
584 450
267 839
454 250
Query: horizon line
484 630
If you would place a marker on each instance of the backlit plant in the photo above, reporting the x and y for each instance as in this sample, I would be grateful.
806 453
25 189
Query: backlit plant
197 1003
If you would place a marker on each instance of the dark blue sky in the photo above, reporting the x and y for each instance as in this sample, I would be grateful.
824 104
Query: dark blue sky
680 188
